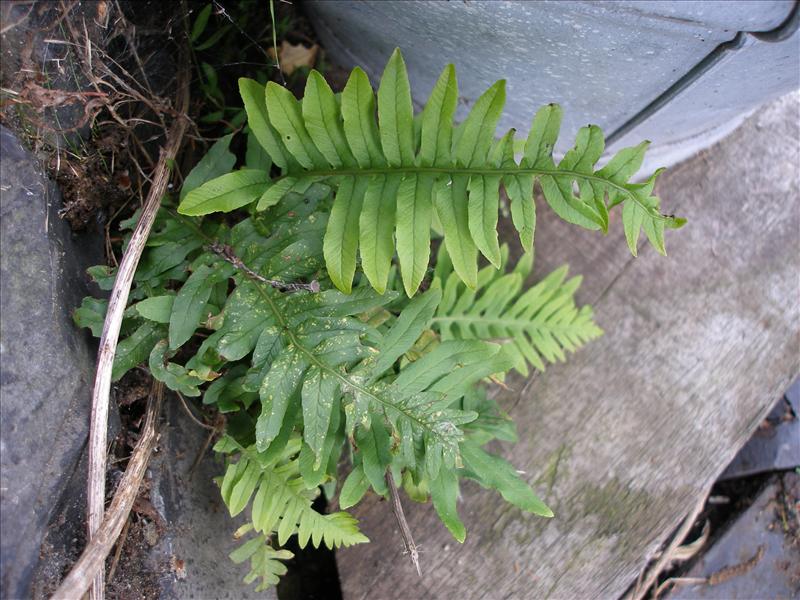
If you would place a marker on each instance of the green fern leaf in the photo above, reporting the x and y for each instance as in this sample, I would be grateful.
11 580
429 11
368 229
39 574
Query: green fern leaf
281 502
413 320
264 562
373 446
174 376
320 400
155 308
414 210
341 238
376 229
217 162
226 193
492 423
354 488
189 305
324 123
537 325
286 116
444 493
92 314
135 349
396 113
258 119
360 128
271 484
437 121
494 472
339 529
388 179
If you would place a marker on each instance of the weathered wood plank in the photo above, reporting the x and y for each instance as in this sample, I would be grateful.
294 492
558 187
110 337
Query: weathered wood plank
623 439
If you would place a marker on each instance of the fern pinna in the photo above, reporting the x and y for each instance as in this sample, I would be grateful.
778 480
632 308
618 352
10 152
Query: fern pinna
314 364
394 180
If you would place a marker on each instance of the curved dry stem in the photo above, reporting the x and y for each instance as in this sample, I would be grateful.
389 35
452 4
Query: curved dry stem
116 306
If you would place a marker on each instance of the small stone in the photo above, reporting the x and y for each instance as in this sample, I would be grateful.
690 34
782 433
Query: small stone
150 533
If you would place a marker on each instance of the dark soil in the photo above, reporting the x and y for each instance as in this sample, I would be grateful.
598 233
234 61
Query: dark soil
129 573
133 578
86 85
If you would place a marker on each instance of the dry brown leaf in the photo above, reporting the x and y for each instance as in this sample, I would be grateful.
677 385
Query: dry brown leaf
178 566
292 57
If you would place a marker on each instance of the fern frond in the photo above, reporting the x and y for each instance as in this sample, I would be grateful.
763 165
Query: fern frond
323 360
324 366
264 562
310 354
389 184
271 484
537 325
282 503
491 423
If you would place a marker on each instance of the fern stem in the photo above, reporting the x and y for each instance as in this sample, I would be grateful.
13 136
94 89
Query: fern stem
500 171
520 323
405 530
226 253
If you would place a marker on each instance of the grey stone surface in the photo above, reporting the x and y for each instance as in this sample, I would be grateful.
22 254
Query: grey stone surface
65 536
603 61
198 528
46 363
776 443
776 574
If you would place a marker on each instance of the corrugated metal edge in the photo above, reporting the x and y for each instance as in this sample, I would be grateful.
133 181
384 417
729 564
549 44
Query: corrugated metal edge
782 32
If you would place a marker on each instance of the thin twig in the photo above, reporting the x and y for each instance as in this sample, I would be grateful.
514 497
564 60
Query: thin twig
118 552
202 452
191 415
677 581
226 252
91 562
405 530
717 577
98 427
